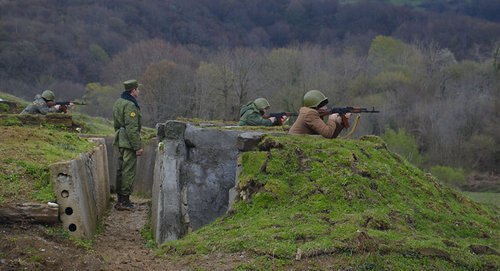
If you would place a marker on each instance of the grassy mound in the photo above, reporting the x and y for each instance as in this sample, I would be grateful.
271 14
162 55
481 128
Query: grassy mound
305 198
26 152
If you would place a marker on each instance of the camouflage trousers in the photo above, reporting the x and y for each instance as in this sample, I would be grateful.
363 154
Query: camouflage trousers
125 175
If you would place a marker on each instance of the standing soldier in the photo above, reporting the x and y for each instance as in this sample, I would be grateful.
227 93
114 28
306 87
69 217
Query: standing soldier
44 104
251 114
309 121
127 122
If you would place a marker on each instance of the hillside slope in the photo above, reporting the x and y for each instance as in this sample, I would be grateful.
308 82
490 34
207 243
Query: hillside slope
307 202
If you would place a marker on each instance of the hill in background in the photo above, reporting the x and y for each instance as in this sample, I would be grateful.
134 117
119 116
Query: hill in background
65 45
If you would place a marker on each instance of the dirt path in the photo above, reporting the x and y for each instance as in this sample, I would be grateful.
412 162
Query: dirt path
121 245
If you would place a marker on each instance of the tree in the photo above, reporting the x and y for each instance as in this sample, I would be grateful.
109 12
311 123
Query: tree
100 99
404 144
216 84
283 73
167 92
244 64
133 62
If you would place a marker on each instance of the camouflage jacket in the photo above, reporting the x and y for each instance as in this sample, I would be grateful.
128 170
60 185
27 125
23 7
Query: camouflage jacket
250 116
39 106
127 118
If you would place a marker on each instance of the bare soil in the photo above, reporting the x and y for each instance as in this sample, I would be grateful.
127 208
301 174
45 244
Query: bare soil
119 246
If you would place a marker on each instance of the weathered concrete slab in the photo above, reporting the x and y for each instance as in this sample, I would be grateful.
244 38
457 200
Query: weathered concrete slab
166 216
82 191
248 141
101 180
145 169
145 165
195 176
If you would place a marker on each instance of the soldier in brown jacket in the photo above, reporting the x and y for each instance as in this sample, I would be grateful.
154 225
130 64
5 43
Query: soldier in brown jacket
309 121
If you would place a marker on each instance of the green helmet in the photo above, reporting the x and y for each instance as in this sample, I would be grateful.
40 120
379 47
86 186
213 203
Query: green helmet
313 98
48 95
261 103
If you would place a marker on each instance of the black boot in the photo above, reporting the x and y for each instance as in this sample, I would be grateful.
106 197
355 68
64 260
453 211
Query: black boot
119 203
127 205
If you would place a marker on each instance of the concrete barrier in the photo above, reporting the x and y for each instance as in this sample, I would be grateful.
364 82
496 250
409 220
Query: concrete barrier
82 190
194 176
145 165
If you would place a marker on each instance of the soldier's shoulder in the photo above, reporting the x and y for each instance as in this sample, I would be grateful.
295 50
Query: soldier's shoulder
121 102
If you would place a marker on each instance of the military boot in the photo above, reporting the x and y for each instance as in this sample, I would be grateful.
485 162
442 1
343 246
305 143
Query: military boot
127 205
119 203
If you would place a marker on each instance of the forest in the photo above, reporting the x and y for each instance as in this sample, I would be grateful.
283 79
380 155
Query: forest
432 69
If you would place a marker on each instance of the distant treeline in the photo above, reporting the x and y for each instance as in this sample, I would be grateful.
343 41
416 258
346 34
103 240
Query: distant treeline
435 110
435 77
66 44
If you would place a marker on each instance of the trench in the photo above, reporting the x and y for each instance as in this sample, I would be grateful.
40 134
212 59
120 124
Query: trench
189 173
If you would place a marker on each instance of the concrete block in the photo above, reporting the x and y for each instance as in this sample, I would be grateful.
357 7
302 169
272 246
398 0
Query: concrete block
145 165
248 141
166 218
82 191
101 180
174 129
160 131
145 169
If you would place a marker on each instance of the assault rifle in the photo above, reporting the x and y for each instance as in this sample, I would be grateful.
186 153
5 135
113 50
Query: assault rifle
279 115
64 105
344 110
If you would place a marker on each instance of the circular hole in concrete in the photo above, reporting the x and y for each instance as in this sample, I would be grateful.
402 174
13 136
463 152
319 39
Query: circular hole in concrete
65 194
72 227
68 211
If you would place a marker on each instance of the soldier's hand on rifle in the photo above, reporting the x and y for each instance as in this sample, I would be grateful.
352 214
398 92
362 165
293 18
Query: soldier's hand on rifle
138 152
71 104
272 119
335 117
57 106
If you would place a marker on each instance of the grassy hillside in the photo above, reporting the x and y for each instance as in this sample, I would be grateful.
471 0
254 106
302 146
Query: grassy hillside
26 153
307 202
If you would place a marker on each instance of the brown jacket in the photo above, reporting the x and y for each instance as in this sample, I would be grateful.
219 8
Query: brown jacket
310 123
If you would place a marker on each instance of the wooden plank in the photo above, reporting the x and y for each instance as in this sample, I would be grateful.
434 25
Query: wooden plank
30 212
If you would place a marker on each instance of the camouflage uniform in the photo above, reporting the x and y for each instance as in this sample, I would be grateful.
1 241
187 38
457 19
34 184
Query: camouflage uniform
39 106
250 116
127 123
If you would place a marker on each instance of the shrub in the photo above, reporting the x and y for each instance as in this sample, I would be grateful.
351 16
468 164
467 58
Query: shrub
448 175
403 144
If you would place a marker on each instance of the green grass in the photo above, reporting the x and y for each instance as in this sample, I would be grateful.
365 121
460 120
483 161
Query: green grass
351 199
8 97
26 155
485 197
93 125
